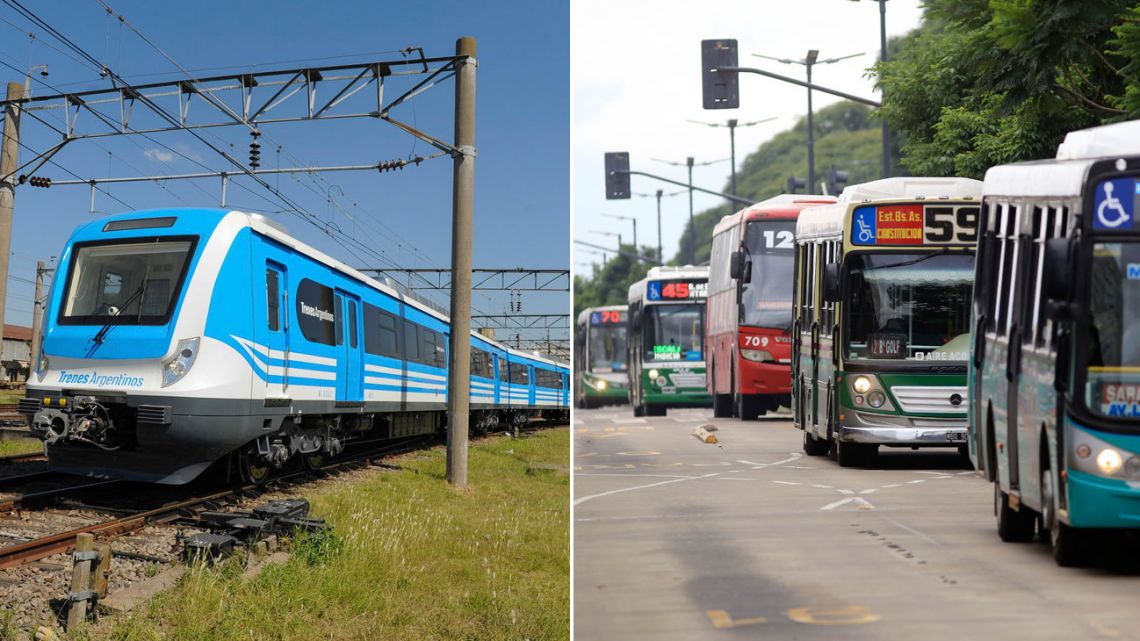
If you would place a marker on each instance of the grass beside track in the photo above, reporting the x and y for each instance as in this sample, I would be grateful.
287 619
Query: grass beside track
409 557
20 445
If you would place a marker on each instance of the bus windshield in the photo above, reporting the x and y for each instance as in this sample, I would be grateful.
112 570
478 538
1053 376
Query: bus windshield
912 307
607 348
1112 385
767 297
674 332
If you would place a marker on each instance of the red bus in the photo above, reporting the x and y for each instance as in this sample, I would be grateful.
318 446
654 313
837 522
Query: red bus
749 340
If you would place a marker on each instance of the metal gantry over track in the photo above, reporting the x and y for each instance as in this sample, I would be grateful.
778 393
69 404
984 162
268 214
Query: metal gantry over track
513 279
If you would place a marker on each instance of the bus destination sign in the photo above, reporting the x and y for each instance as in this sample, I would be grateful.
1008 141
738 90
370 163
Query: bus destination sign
915 224
608 317
661 290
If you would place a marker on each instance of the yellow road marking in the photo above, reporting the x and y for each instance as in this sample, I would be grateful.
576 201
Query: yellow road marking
583 430
848 615
721 619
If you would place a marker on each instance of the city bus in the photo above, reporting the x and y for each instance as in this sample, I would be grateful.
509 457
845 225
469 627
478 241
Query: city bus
1055 361
666 340
881 329
749 337
600 373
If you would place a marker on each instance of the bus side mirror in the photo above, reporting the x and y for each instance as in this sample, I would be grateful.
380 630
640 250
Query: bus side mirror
736 264
1056 281
831 283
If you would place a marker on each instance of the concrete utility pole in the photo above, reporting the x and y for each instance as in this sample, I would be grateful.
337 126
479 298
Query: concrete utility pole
462 212
37 314
660 255
9 162
883 96
692 226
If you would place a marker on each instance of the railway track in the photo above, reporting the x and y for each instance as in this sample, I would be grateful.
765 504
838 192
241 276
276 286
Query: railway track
30 457
35 549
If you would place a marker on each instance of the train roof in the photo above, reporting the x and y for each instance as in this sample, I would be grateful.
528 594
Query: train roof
664 272
584 315
1065 175
279 233
785 204
828 220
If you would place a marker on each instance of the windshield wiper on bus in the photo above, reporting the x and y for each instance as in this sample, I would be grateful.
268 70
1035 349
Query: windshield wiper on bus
915 261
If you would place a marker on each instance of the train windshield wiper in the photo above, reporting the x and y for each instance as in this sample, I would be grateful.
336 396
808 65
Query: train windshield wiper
102 333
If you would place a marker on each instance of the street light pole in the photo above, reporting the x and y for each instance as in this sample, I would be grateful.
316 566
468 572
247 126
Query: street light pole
732 124
634 221
692 228
882 97
660 252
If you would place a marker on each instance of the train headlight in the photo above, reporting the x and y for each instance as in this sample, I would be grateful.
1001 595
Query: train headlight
876 399
862 384
757 355
42 365
1109 461
178 365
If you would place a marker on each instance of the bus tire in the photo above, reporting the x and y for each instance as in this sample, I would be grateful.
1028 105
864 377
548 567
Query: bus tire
748 407
654 409
815 446
855 454
1069 545
722 406
638 409
1013 526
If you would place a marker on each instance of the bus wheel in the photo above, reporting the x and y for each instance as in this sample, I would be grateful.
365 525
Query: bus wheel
748 407
638 409
1069 544
855 454
722 406
1014 526
654 410
815 446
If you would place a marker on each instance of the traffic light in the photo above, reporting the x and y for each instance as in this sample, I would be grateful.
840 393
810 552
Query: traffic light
617 175
794 184
720 89
836 179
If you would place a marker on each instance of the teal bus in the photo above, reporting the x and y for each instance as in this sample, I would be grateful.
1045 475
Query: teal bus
880 332
666 340
1055 360
601 376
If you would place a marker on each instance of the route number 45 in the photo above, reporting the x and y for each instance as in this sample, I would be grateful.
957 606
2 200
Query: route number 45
950 225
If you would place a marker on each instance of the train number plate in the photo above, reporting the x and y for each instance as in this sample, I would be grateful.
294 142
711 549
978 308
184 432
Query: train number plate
956 437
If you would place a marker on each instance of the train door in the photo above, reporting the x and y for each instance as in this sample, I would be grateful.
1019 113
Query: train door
530 390
496 364
349 377
275 331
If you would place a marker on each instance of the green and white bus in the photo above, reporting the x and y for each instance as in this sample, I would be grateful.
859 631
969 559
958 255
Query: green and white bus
601 376
881 329
666 340
1055 363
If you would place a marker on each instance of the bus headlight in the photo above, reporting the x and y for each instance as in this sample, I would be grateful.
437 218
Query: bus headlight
600 384
1109 461
178 365
862 384
757 355
652 374
876 399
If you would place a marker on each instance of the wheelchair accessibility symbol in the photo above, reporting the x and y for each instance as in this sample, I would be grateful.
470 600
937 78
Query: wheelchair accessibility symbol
1113 212
865 226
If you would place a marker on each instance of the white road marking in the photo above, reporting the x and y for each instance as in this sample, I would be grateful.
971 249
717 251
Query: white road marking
892 485
733 478
662 476
913 531
795 457
801 467
785 482
843 491
917 481
823 487
870 491
863 503
967 472
583 499
629 420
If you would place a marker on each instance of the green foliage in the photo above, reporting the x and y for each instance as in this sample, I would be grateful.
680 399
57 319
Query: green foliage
316 548
986 82
609 285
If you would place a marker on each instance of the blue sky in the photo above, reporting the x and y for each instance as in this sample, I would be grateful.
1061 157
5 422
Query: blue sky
522 128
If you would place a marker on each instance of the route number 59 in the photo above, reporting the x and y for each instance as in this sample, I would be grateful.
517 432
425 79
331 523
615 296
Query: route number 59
950 225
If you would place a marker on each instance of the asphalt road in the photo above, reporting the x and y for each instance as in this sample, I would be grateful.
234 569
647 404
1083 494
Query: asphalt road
676 539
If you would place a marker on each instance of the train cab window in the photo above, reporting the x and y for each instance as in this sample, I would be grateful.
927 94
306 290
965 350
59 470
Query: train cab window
381 336
352 323
411 341
338 321
273 298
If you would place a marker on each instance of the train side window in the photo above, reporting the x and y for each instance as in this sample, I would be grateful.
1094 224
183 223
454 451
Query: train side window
338 321
411 341
504 370
273 298
352 324
520 374
380 332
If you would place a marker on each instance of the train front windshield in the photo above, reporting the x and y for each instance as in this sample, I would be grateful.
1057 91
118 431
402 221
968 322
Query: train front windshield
607 349
674 332
1112 386
909 306
767 297
132 283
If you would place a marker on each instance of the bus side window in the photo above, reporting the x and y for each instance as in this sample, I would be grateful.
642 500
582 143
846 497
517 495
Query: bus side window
1032 305
1005 266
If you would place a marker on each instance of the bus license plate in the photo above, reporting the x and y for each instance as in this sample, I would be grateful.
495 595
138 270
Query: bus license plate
956 437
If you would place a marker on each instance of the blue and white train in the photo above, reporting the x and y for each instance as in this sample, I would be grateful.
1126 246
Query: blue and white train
178 338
